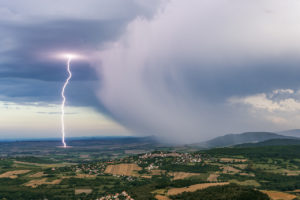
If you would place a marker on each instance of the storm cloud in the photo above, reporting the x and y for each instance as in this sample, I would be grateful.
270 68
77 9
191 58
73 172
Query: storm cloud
31 34
184 71
33 29
176 75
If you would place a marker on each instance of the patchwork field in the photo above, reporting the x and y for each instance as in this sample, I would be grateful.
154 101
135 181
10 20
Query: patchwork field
13 174
275 195
161 197
246 183
241 166
182 175
80 191
37 175
213 177
79 175
85 176
37 182
192 188
123 169
229 169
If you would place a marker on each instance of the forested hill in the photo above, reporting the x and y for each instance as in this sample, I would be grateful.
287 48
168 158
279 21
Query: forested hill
272 142
248 137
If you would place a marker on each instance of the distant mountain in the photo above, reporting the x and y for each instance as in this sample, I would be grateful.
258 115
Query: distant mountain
248 137
293 133
272 142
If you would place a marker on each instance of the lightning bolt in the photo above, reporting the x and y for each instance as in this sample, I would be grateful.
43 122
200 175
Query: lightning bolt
64 101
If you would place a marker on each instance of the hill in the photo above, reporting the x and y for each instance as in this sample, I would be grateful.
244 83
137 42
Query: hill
293 133
257 153
272 142
235 139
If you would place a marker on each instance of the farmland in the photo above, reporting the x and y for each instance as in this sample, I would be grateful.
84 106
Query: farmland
162 173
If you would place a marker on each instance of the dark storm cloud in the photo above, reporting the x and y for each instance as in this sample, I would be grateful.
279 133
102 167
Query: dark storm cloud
65 34
55 36
27 77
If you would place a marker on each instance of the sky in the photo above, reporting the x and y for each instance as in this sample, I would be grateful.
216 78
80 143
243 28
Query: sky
184 71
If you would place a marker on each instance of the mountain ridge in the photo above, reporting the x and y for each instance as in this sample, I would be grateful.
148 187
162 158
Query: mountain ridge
272 142
292 132
241 138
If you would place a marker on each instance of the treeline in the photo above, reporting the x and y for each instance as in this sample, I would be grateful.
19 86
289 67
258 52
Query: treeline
227 192
5 164
284 152
267 180
274 181
25 193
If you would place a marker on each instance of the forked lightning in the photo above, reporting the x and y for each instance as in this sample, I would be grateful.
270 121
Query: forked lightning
64 101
